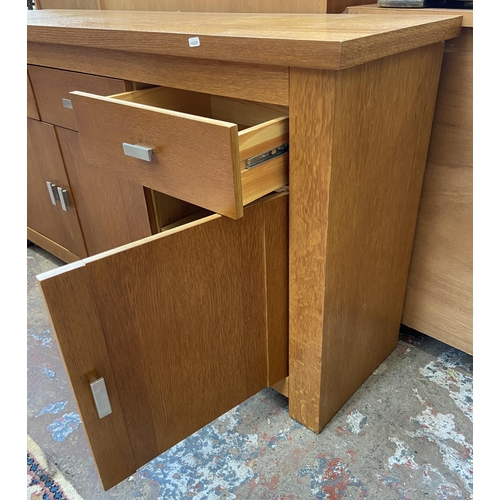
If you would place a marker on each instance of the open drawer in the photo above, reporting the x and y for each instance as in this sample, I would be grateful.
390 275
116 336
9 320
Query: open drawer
172 331
215 152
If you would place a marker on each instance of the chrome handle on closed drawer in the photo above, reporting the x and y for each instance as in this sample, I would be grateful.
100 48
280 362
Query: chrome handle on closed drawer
64 197
101 398
67 103
54 196
136 151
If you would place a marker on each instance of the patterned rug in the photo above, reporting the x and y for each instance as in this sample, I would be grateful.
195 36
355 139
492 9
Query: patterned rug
45 481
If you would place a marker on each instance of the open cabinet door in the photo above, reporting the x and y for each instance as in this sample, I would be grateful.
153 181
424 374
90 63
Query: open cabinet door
175 325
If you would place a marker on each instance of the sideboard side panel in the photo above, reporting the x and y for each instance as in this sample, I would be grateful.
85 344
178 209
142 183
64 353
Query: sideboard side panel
312 105
356 219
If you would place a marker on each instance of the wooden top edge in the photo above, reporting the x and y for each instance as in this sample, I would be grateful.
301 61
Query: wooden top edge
467 14
304 40
59 270
148 239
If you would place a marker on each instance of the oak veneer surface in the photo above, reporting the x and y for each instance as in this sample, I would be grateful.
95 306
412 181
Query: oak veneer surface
264 83
354 198
112 210
305 6
67 4
276 244
45 163
339 6
177 338
439 294
302 6
375 9
51 86
327 41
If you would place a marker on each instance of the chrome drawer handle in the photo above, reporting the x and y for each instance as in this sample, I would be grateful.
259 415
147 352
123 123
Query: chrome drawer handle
67 103
139 152
101 398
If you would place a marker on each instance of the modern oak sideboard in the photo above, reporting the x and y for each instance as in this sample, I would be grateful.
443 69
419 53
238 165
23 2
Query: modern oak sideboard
275 163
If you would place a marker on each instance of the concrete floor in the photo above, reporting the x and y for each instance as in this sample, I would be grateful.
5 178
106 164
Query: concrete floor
406 434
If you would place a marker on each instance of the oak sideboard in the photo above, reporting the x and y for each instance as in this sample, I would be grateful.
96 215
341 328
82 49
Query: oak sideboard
262 174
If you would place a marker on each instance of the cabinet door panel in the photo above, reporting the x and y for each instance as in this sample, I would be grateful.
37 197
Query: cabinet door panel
45 163
181 318
112 210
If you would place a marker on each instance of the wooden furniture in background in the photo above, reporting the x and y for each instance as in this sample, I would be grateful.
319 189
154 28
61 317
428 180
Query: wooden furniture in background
439 293
277 6
359 126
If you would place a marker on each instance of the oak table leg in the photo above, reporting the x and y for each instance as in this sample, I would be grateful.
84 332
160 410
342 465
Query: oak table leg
358 147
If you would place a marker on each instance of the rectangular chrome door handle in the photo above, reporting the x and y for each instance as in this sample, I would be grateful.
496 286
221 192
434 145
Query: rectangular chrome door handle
67 103
136 151
54 195
64 198
101 398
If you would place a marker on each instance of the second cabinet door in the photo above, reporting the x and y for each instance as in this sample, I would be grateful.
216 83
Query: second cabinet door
45 164
181 327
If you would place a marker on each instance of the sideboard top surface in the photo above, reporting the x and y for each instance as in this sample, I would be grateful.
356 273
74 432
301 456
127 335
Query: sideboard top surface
324 41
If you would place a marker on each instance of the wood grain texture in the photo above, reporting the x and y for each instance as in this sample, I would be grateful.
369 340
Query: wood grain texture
323 41
169 98
339 6
276 244
44 164
194 157
267 83
74 313
282 387
263 137
243 112
51 246
165 210
439 293
264 178
200 214
172 324
112 210
354 195
32 108
68 4
51 86
243 6
467 14
305 6
272 174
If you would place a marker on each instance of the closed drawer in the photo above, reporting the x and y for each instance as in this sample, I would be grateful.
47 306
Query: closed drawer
51 88
214 152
